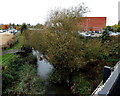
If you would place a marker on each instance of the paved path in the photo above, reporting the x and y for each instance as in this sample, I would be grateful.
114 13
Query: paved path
11 51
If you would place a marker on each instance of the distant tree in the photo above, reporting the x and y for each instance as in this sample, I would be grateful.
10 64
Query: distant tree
23 27
17 25
118 29
17 28
115 27
13 25
105 35
39 26
119 23
29 24
109 28
4 26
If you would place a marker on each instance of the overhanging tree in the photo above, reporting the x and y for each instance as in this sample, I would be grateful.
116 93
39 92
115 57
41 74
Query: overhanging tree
64 50
60 41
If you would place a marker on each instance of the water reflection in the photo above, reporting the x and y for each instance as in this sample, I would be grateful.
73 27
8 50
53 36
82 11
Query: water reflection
44 67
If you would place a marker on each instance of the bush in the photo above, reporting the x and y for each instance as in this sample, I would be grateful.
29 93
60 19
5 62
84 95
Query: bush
118 29
28 82
55 77
81 86
21 77
60 40
105 35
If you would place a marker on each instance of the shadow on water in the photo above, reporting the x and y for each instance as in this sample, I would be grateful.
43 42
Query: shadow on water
44 68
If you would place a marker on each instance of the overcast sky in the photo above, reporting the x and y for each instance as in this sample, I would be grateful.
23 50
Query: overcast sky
35 11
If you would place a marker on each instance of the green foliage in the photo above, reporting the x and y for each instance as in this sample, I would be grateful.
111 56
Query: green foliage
20 77
60 40
93 50
39 26
115 47
23 27
82 86
67 51
6 58
113 60
119 23
118 29
55 76
19 43
109 28
29 82
105 35
115 28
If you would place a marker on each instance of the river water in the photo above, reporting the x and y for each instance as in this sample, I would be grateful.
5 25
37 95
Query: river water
44 68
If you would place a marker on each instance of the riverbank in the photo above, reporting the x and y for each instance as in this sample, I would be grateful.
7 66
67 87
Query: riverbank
6 58
20 77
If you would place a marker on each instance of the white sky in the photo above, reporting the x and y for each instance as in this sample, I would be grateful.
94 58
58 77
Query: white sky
35 11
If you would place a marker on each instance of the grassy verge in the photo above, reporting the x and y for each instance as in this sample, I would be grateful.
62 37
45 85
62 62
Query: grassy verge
6 58
18 44
21 77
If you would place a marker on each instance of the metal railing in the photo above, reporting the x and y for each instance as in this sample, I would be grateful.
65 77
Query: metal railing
103 89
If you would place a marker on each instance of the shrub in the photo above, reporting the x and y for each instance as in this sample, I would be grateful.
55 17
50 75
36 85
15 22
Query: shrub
81 86
105 35
21 77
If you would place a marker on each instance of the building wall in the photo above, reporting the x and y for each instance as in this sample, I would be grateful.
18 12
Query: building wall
119 11
93 23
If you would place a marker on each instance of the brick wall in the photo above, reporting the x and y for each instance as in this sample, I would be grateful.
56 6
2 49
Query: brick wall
93 23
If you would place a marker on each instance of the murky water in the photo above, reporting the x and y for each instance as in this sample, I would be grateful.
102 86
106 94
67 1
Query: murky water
44 68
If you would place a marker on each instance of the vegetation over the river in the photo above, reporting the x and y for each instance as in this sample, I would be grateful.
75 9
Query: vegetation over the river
67 51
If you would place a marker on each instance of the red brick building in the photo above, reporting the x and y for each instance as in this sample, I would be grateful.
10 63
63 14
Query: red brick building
93 23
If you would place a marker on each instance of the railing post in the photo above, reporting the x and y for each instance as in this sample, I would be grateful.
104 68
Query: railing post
106 73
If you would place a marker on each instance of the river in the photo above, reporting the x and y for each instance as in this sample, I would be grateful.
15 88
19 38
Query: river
44 68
